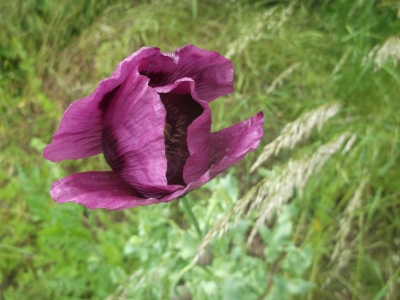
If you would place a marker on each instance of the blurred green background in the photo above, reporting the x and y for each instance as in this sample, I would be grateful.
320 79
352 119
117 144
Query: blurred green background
336 237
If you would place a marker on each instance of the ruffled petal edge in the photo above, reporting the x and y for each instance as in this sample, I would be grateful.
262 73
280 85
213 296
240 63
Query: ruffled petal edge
80 129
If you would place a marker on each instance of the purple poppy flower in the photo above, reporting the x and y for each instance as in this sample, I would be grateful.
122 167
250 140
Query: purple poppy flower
151 119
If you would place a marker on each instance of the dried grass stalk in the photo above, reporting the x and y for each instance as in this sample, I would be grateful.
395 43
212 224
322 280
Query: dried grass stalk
297 131
342 61
267 197
269 21
380 54
341 253
279 188
278 81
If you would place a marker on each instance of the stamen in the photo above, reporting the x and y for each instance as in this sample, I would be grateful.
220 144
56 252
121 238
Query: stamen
167 131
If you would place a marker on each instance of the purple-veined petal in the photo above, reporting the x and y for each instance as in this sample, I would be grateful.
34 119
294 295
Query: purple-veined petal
98 190
230 145
80 130
198 140
107 190
191 186
133 137
212 72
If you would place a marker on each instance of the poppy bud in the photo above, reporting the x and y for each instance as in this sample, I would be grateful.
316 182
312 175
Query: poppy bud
205 257
181 293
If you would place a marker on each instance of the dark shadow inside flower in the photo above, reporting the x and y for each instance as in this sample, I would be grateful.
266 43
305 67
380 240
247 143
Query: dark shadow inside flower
155 69
182 110
107 99
166 69
109 143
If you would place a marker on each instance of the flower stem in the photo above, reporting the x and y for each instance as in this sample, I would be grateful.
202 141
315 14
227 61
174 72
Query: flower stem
180 275
192 217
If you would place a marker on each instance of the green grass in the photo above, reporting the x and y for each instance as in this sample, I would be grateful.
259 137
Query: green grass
54 52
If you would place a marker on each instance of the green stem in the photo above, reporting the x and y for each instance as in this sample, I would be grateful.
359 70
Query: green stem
192 217
180 275
194 9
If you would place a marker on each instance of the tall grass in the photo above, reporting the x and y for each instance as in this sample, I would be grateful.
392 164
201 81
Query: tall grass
321 207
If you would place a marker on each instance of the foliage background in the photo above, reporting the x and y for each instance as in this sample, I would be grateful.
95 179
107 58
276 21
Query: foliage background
290 57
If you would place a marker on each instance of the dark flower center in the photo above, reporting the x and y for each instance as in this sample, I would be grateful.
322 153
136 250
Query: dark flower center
182 110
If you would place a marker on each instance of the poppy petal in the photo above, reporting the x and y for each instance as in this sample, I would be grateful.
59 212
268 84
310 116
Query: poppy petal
191 186
98 190
80 130
133 137
212 72
231 144
107 190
